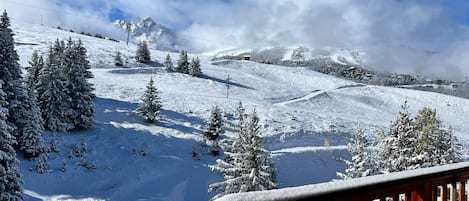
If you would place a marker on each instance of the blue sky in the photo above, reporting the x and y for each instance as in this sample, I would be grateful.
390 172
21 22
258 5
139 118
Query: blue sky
393 28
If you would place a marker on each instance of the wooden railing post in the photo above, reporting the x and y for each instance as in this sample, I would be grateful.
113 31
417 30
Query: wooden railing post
462 190
428 191
453 193
407 196
444 192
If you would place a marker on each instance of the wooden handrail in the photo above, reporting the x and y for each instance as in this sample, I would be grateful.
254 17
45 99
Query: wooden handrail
444 183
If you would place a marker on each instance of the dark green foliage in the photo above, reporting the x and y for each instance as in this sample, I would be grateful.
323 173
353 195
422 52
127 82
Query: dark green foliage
194 67
118 59
150 108
143 53
183 63
168 64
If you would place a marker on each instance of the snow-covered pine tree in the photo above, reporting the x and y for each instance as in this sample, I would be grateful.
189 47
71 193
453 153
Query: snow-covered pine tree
451 149
118 59
143 53
240 113
52 93
444 147
249 168
229 144
360 165
215 126
31 79
31 141
214 130
194 67
150 108
183 63
400 144
384 148
260 172
79 90
10 74
10 177
168 64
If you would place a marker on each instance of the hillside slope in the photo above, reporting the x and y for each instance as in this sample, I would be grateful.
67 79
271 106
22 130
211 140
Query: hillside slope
307 120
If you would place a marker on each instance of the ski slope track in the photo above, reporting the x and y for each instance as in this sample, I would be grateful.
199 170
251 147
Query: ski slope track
307 119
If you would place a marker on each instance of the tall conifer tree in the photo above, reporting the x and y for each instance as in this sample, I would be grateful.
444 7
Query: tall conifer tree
248 167
150 108
10 177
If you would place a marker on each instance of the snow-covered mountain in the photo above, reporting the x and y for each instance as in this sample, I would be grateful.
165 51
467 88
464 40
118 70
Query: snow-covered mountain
279 55
157 35
307 119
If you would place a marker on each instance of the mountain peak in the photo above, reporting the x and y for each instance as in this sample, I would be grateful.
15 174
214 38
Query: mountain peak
157 35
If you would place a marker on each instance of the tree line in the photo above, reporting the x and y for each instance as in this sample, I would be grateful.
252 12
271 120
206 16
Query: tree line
410 143
183 65
54 95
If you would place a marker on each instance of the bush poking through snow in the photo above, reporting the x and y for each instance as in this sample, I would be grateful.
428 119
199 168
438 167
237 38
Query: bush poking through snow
143 152
87 165
53 146
64 167
79 150
42 165
118 59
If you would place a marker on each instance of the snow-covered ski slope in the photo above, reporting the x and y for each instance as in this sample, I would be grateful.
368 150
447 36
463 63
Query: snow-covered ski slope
307 120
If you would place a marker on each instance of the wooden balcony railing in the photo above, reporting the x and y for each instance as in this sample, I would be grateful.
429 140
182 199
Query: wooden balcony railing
442 183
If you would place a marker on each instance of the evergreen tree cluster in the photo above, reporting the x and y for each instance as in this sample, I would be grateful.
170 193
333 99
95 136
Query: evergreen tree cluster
410 143
183 65
418 143
246 166
12 99
65 95
143 53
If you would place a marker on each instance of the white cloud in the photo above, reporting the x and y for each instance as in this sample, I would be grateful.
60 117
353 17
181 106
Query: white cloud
395 33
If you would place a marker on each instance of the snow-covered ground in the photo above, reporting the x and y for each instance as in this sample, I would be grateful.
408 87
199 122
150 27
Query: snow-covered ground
307 120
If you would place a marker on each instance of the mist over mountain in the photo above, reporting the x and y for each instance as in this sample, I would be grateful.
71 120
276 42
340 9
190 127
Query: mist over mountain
157 35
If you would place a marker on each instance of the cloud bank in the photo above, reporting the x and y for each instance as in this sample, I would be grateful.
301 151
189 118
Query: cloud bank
425 37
